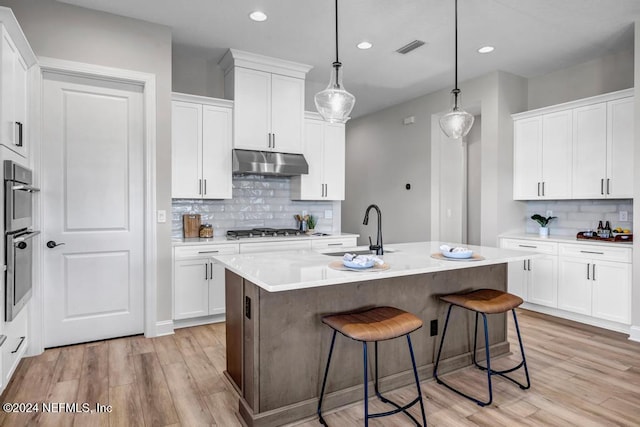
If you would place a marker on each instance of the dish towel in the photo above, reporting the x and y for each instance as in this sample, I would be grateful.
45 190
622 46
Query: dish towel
362 260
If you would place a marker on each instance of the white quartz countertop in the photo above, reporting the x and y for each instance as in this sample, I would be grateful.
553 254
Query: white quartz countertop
565 239
222 239
291 270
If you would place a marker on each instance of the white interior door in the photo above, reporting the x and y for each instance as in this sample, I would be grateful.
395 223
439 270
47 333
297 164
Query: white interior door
93 203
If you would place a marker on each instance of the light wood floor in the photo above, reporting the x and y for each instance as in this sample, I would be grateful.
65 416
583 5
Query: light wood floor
580 376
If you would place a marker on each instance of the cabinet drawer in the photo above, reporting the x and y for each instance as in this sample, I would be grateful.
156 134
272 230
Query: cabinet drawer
550 248
248 248
16 344
343 242
200 251
593 252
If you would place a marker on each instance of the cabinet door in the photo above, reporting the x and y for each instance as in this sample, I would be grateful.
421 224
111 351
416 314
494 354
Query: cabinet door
7 91
589 151
252 109
517 278
186 144
556 155
191 288
620 143
287 113
543 281
334 161
310 186
216 289
216 152
612 291
574 285
527 158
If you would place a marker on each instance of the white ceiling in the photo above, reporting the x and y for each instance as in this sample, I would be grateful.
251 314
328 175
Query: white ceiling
531 37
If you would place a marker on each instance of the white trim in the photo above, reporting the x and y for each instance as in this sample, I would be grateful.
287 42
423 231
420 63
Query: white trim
625 93
580 318
634 333
185 97
8 19
148 83
238 58
164 327
197 321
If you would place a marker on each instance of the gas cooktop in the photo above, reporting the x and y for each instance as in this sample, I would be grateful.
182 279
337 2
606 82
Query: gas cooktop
262 232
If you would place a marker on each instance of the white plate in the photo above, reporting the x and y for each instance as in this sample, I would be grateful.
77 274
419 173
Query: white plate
457 255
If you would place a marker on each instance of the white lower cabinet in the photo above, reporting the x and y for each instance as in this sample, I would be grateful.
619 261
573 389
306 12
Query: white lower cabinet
534 280
590 283
198 281
580 281
15 345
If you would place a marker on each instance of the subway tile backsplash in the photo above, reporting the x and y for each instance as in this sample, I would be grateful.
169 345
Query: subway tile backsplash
579 215
258 201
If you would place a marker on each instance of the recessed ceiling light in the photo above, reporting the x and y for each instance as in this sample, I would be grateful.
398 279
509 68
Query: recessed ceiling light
258 16
364 45
486 49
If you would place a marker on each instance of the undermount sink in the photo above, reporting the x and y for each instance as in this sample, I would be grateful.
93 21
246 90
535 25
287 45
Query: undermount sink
359 252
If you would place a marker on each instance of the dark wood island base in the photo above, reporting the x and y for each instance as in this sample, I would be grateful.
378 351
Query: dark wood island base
277 345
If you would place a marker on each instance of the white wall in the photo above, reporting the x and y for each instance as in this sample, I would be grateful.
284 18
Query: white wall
383 155
73 33
635 291
474 184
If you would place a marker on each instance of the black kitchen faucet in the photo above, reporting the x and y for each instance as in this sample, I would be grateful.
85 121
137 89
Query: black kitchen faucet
378 246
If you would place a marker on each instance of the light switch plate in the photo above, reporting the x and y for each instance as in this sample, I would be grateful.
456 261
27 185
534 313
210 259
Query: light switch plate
328 214
162 216
623 216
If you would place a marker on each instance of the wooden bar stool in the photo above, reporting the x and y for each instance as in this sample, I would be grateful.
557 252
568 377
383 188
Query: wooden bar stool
376 324
484 301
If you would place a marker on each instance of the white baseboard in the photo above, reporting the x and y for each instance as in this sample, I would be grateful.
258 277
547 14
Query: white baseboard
197 321
589 320
634 333
164 327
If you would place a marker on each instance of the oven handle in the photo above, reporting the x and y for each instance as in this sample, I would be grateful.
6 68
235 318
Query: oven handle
25 187
26 236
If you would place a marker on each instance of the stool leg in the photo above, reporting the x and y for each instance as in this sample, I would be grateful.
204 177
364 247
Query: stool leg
475 340
524 360
324 380
375 384
444 332
486 350
415 374
366 384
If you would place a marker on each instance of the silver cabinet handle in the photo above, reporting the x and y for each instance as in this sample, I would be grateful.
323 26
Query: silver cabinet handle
211 270
588 267
524 265
199 186
19 345
19 126
334 244
274 141
592 252
538 189
205 186
594 272
608 186
528 246
601 185
269 139
208 252
206 270
543 188
529 265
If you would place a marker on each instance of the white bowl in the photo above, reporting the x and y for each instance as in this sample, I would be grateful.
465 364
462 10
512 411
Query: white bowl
457 255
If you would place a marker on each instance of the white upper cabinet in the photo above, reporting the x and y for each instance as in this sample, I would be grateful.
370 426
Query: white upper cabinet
16 59
201 148
324 149
268 96
578 150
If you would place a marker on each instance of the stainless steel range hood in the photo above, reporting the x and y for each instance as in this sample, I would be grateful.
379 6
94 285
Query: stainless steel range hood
269 163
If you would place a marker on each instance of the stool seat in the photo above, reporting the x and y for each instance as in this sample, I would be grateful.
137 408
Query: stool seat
376 324
490 301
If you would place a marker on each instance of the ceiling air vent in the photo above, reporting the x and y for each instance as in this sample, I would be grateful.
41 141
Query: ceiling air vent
410 46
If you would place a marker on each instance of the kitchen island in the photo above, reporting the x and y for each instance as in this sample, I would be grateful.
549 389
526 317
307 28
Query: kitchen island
277 345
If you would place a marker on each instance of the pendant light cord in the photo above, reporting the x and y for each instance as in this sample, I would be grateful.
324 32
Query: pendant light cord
456 44
337 60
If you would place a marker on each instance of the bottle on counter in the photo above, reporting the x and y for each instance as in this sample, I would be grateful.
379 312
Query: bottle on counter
607 230
600 230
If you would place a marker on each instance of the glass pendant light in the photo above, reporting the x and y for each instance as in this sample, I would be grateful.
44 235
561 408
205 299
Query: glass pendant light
334 103
457 122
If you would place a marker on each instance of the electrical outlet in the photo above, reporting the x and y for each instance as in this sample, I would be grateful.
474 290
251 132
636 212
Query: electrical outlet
162 216
549 213
623 216
328 214
434 328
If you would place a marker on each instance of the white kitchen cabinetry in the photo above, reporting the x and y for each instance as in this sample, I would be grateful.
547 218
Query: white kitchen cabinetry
16 59
595 282
201 144
268 96
198 285
577 150
14 347
534 280
603 150
290 245
542 149
324 149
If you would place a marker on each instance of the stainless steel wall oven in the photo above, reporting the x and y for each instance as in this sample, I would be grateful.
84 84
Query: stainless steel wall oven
18 205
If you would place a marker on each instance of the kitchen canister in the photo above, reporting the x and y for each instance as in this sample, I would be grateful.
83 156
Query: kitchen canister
206 231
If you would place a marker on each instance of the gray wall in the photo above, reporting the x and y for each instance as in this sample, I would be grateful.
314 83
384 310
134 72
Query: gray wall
602 75
73 33
383 155
194 72
474 184
635 290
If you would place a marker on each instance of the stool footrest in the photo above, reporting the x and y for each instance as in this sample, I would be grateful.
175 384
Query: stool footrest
397 410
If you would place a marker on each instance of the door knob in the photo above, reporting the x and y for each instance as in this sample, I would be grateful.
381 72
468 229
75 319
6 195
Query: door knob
52 244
